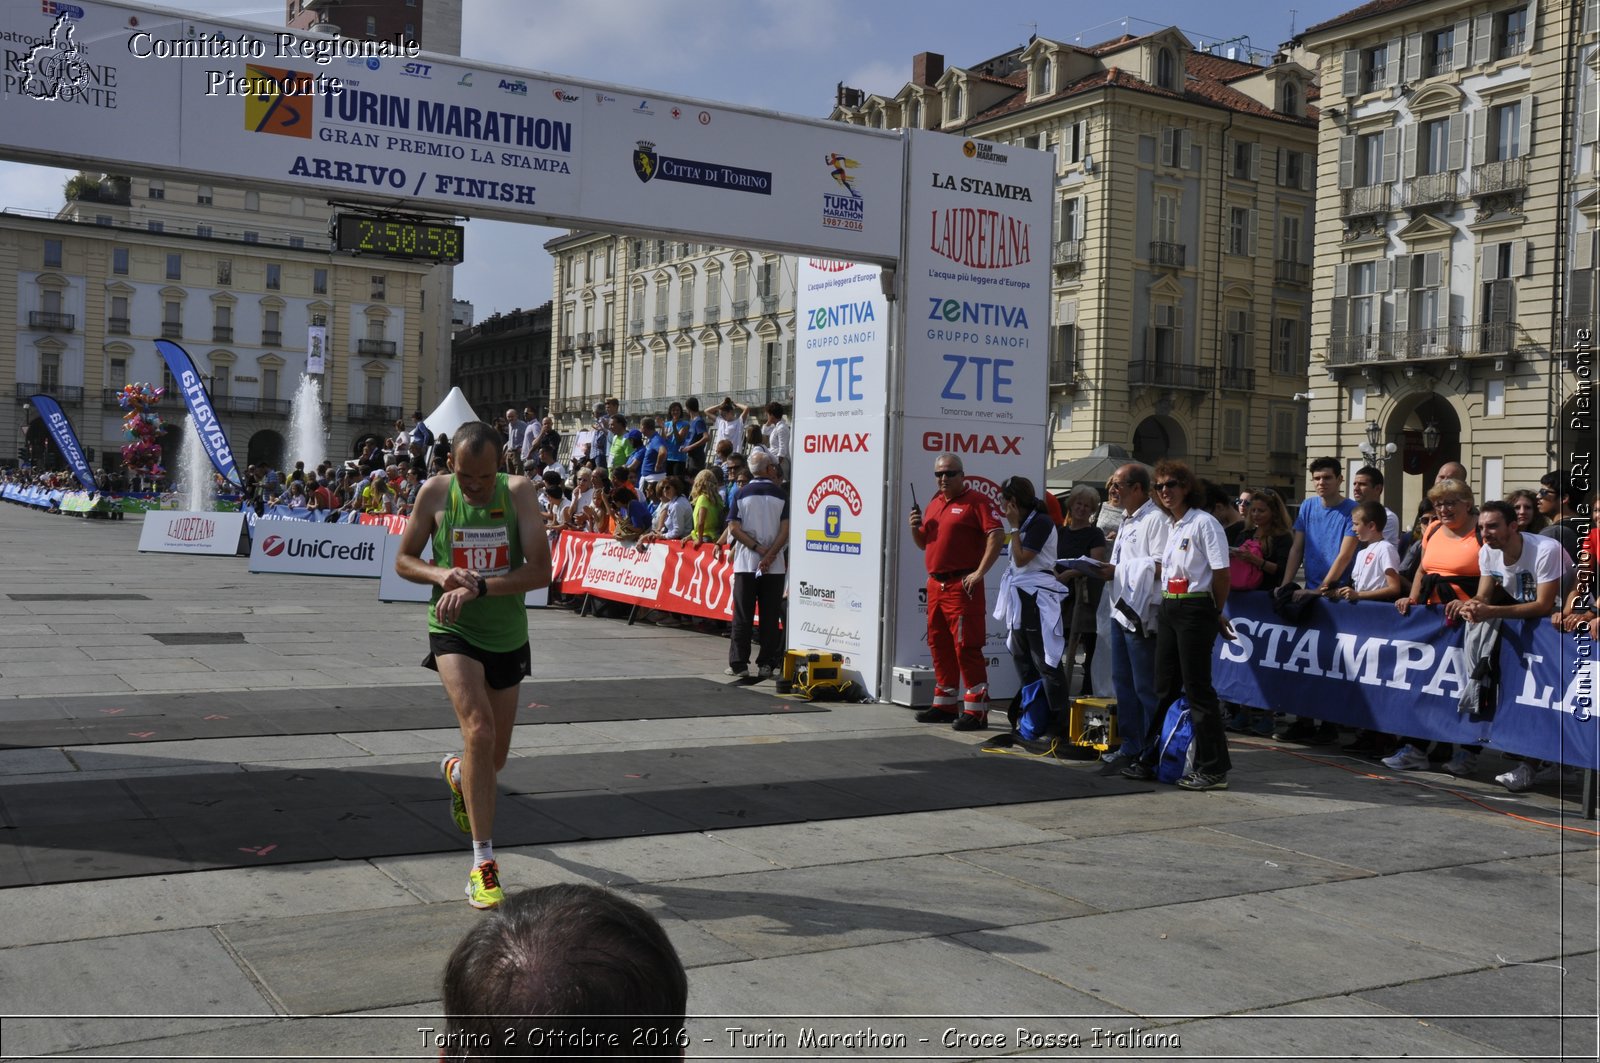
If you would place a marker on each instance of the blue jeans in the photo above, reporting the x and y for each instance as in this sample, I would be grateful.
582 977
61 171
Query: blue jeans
1133 681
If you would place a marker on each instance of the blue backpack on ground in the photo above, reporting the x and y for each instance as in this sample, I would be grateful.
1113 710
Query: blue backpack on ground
1033 720
1177 743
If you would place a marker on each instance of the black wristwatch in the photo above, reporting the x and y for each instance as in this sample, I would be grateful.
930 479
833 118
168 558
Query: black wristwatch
483 587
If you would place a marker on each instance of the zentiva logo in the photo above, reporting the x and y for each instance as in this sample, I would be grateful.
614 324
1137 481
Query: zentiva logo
273 546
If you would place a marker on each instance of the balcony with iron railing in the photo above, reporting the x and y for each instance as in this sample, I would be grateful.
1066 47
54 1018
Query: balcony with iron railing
172 330
741 307
1359 350
769 304
118 326
1500 178
364 412
636 327
381 348
50 321
221 333
585 339
67 394
271 337
713 314
1064 371
602 337
685 318
1291 272
1431 190
660 322
1238 378
565 343
1069 253
1365 201
1168 375
1164 255
251 404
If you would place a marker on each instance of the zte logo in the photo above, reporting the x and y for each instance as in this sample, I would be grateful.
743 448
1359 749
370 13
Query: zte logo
970 443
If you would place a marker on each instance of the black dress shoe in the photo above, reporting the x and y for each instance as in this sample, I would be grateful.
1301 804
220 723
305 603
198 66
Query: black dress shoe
1138 772
1302 730
971 721
936 716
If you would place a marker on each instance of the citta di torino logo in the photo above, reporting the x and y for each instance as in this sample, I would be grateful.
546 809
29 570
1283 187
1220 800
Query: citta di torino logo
326 549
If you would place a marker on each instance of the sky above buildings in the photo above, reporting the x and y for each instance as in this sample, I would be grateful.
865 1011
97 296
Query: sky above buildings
776 54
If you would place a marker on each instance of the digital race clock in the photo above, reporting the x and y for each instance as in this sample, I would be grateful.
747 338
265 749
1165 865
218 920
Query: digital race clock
398 238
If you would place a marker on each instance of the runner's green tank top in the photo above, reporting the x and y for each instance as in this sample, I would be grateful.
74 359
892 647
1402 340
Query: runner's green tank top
486 540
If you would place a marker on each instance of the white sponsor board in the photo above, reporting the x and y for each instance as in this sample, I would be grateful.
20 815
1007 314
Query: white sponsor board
839 445
975 370
218 534
393 588
624 569
123 87
318 549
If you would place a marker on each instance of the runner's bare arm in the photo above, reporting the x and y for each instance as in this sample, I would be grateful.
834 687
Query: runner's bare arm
408 564
534 572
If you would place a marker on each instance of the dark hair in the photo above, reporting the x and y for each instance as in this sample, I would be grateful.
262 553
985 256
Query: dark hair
1562 484
559 967
1193 495
621 496
1019 489
1216 496
1326 463
692 403
673 403
1372 513
1372 474
473 436
775 408
1138 474
1505 509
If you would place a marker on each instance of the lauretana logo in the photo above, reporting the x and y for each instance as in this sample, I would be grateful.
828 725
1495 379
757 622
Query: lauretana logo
979 238
273 547
829 265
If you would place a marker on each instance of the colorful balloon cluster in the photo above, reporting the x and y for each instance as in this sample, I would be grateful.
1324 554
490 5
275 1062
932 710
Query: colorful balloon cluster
143 427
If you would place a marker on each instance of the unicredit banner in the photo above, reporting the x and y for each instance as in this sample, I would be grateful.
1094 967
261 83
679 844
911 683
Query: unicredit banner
202 414
218 534
66 440
317 549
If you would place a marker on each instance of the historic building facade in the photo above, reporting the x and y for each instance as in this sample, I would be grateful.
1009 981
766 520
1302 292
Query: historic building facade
1456 241
1185 210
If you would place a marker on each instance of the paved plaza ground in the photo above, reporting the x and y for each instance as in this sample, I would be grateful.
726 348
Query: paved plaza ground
235 847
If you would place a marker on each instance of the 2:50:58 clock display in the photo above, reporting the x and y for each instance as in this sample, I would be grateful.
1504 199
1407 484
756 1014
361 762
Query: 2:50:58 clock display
398 238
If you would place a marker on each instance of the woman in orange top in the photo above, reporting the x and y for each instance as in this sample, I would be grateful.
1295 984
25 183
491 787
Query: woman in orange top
1449 549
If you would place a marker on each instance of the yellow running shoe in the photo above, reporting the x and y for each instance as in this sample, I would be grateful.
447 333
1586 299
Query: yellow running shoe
458 804
483 886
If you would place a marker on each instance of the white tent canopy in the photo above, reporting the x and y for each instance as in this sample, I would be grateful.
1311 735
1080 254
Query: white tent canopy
450 414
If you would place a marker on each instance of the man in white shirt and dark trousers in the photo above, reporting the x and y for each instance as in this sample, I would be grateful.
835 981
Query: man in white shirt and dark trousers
775 434
1135 553
758 524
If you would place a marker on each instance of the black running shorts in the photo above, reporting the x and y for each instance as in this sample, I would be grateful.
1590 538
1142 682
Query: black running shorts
501 670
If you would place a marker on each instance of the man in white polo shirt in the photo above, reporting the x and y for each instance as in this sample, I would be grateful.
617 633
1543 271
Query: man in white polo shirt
758 524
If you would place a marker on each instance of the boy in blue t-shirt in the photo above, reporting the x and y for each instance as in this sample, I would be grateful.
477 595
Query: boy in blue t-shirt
1324 537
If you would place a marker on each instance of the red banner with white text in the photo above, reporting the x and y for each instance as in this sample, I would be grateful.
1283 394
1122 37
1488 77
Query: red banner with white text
675 577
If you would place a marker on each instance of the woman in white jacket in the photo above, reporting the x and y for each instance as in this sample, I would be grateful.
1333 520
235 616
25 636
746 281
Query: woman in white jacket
1030 595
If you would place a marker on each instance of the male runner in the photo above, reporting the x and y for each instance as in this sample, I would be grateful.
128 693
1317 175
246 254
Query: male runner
489 549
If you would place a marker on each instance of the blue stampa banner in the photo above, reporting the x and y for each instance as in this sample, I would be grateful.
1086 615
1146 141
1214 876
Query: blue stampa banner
1364 665
202 414
66 440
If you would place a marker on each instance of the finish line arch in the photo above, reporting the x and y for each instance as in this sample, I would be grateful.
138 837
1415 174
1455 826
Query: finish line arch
925 307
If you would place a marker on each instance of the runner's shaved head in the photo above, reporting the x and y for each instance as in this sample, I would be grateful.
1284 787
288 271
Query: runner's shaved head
472 437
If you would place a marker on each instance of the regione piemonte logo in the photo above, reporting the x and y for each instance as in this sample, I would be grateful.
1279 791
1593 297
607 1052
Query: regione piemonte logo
55 68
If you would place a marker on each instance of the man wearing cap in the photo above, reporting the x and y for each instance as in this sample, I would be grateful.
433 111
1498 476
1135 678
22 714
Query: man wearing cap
377 496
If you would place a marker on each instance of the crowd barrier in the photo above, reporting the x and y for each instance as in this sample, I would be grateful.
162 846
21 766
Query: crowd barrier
694 579
38 497
1363 665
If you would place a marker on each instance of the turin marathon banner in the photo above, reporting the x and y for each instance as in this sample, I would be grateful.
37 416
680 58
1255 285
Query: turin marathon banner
202 414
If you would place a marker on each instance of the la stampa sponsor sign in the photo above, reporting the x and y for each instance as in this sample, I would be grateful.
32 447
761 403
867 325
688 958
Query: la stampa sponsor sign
318 549
191 533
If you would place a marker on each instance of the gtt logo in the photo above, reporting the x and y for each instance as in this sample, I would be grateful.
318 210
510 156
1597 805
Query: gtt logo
273 546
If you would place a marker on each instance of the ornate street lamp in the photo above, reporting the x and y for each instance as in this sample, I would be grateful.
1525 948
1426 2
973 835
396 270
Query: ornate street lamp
1430 437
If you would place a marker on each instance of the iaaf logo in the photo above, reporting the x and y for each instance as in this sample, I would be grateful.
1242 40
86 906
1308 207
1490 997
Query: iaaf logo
829 265
193 529
564 96
845 443
837 485
326 549
970 443
817 594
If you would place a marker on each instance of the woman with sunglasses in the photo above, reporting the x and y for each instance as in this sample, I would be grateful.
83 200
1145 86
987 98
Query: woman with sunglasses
1194 577
1448 572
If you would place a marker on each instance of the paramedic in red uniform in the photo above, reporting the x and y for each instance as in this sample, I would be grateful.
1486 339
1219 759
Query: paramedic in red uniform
961 537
